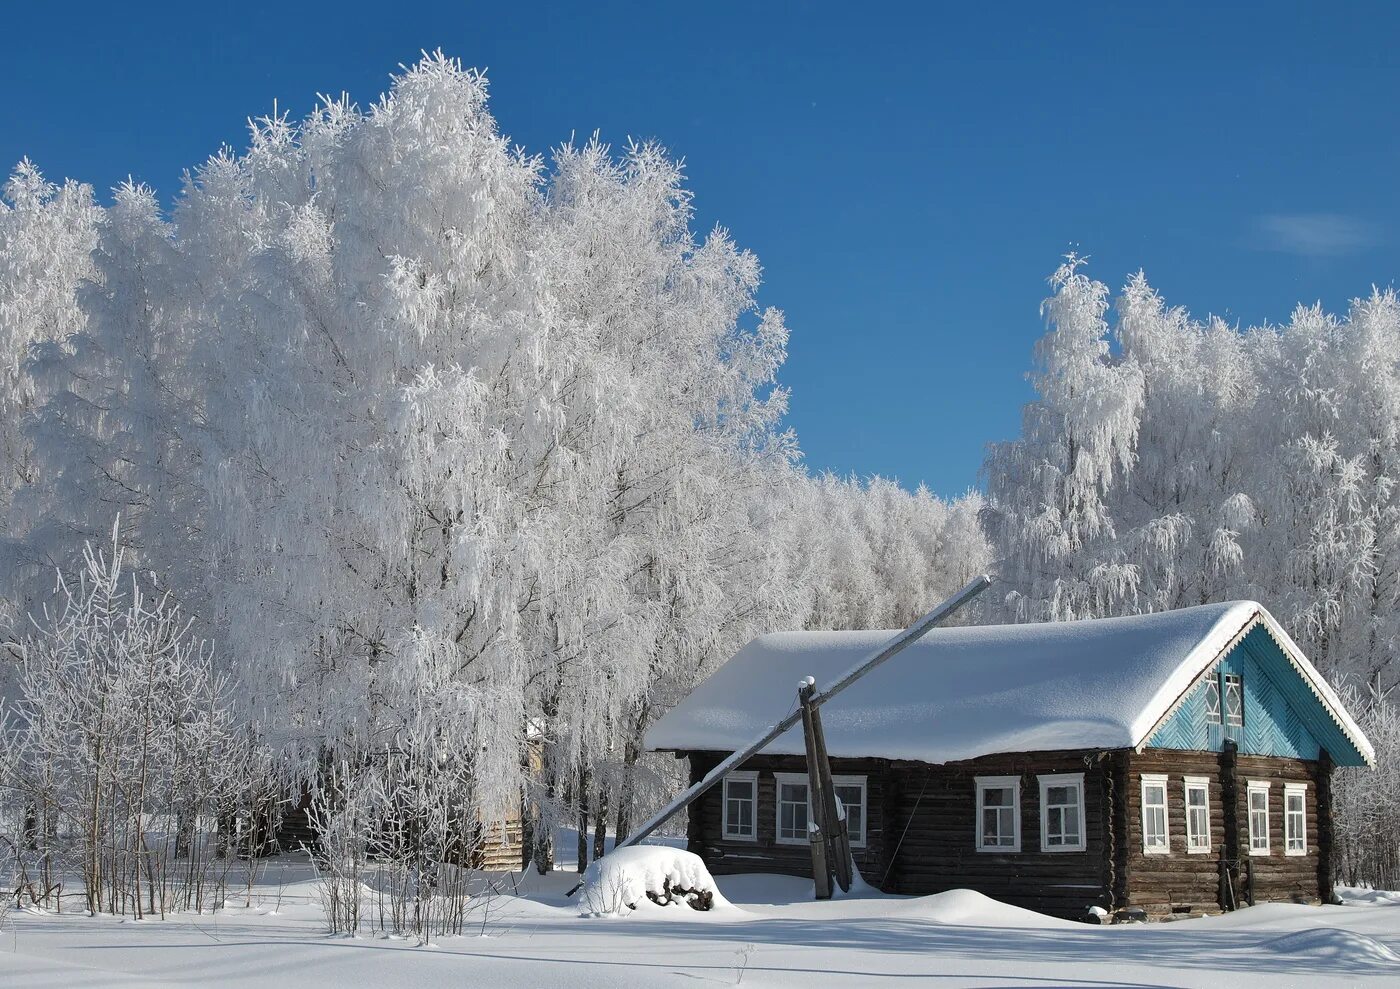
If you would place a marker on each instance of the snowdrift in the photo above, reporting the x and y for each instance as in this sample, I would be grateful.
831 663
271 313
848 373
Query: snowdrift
645 876
1327 944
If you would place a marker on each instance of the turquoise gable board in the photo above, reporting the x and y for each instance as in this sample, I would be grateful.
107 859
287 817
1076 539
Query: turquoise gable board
1282 716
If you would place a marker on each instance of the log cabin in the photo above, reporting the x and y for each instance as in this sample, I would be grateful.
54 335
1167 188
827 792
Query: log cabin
1178 763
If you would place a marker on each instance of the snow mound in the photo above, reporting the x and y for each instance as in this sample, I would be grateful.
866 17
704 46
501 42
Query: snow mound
968 908
1361 896
643 876
1331 944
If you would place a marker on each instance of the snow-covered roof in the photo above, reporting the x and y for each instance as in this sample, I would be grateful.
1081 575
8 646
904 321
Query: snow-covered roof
959 693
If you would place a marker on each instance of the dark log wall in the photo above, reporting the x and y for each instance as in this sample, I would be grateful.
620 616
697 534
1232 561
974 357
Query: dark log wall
939 850
1186 882
921 831
1177 880
765 854
1278 876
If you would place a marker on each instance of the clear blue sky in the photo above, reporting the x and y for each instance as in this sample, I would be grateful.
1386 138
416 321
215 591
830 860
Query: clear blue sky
907 173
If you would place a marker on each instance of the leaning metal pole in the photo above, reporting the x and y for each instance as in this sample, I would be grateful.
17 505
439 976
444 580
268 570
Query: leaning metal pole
895 645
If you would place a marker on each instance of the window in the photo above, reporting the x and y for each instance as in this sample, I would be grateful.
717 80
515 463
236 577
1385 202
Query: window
850 790
795 808
1295 819
998 813
1258 817
1197 815
740 801
1234 700
792 808
1062 813
1212 687
1155 837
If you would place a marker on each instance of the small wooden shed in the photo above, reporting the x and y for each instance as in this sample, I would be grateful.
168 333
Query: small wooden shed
1178 762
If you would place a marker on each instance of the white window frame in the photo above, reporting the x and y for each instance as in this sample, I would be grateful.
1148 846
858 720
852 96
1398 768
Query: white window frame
1156 780
1216 715
801 778
1225 716
1299 790
1075 780
1201 783
739 776
791 779
1253 787
1013 783
859 781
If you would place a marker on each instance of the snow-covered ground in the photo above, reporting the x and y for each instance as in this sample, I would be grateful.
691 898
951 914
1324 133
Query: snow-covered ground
771 933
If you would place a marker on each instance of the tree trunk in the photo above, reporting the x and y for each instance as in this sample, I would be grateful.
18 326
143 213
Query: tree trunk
585 782
600 825
631 753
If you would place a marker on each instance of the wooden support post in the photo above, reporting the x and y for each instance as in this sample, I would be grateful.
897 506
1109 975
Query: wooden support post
1326 833
821 867
1230 806
833 822
819 824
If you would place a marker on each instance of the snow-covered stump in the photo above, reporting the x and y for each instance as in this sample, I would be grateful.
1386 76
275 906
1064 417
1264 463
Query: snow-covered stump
627 879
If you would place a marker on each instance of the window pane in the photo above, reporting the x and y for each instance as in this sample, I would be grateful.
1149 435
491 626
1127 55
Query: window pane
1154 816
1259 819
998 821
852 797
1213 700
1234 700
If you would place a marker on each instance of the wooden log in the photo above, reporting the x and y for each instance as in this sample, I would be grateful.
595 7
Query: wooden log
821 868
818 826
1230 803
832 822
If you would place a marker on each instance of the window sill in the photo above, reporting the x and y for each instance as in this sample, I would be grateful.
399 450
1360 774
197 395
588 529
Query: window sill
1156 851
1260 852
1061 849
999 849
746 838
1198 851
1296 853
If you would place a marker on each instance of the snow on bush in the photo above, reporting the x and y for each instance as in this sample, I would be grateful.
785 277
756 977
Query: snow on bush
628 878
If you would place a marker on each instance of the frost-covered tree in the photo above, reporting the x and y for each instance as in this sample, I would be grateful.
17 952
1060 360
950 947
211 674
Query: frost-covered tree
874 555
1050 515
120 725
1182 510
668 451
1258 463
47 234
119 414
